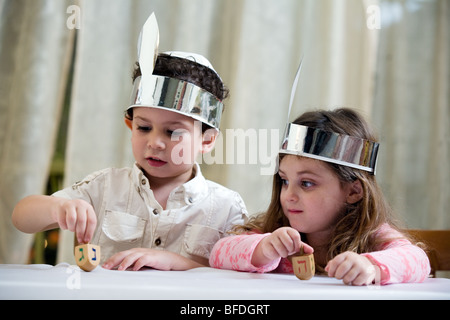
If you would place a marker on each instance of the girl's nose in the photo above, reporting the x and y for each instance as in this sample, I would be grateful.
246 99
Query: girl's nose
291 194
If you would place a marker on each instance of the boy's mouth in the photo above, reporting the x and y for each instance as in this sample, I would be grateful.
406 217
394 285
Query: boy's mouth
155 162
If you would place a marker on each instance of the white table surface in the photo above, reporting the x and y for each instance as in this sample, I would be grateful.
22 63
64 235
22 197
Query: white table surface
64 281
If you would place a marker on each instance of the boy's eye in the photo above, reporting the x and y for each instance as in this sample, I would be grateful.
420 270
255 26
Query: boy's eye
176 132
144 128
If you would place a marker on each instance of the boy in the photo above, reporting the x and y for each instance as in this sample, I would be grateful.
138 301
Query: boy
162 213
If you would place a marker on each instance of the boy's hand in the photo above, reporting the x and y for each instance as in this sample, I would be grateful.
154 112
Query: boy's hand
77 216
147 257
352 268
283 242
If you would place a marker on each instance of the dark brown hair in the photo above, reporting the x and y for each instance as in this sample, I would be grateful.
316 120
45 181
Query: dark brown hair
190 71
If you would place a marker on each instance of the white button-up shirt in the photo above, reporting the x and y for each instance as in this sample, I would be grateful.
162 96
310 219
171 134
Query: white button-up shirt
198 213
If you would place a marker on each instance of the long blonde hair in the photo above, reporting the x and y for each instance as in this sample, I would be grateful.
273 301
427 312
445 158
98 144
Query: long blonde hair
360 221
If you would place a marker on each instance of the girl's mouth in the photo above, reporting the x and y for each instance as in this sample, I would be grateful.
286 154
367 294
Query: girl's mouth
155 162
295 211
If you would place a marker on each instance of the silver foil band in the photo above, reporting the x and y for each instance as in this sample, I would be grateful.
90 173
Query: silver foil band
330 147
178 96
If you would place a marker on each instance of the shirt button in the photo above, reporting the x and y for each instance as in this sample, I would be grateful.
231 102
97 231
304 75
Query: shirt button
155 212
158 241
190 200
144 182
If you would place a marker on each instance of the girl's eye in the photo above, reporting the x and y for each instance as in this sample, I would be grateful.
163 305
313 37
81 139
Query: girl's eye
306 184
284 182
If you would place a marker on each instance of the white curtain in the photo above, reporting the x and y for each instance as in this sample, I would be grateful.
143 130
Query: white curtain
35 48
412 110
255 45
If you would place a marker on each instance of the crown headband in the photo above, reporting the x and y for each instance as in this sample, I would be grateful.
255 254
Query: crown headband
172 94
330 147
326 145
178 96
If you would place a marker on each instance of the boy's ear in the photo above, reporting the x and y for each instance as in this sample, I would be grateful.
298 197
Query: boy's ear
209 140
355 192
128 123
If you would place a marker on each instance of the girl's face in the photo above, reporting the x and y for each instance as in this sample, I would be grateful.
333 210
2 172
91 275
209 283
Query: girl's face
312 197
165 144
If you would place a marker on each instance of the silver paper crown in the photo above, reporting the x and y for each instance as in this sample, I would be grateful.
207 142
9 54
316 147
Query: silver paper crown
176 95
328 146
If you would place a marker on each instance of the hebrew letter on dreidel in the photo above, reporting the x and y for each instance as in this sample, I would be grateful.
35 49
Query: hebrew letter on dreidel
90 260
303 266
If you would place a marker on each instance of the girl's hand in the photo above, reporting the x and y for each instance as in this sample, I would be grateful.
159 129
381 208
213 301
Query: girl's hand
146 257
77 216
352 268
281 243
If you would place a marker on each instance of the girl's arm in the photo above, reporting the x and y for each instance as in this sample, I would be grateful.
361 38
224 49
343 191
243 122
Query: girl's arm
399 260
281 243
235 253
256 252
39 213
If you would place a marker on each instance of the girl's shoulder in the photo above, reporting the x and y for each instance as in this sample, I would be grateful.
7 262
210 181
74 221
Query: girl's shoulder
388 236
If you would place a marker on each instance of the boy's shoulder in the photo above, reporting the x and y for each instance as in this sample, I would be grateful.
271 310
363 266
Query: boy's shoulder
107 173
227 197
221 191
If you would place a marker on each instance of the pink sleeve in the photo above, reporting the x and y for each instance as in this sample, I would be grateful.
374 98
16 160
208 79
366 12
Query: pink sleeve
399 260
235 253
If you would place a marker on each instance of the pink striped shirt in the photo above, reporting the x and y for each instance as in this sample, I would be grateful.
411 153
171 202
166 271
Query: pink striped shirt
399 260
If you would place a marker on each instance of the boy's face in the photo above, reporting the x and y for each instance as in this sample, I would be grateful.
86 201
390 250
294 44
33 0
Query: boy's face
165 144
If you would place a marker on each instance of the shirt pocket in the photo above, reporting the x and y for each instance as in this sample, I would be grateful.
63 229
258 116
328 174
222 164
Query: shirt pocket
200 239
122 230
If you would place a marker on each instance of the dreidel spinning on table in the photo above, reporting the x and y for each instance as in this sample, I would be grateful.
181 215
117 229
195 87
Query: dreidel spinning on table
87 256
303 265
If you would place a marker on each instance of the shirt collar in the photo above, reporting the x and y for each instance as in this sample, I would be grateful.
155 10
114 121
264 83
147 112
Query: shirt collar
193 190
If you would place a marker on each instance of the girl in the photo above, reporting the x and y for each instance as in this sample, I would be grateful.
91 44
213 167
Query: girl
334 210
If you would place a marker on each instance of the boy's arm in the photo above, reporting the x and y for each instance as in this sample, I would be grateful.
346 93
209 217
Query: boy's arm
39 213
138 258
34 213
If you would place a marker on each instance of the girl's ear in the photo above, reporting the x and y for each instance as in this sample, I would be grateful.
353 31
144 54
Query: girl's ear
128 123
355 192
209 140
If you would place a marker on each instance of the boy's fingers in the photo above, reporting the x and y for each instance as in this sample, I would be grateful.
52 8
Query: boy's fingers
115 260
91 223
80 227
71 219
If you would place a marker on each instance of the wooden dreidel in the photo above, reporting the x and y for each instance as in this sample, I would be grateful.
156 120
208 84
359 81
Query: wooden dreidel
303 265
87 256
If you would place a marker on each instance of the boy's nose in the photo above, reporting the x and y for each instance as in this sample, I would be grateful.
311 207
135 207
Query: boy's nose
156 142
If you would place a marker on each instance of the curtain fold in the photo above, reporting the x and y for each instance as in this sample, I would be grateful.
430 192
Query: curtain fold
412 110
35 50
